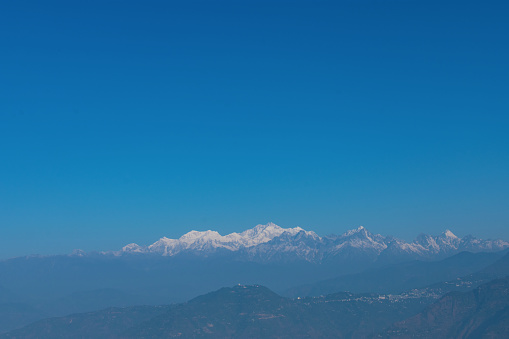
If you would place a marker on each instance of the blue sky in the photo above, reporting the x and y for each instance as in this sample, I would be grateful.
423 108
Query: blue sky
123 121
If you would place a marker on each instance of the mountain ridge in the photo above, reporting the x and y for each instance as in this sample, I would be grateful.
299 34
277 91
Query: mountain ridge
241 311
266 242
255 311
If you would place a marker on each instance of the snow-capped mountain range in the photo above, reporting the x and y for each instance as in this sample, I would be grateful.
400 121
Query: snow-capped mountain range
273 243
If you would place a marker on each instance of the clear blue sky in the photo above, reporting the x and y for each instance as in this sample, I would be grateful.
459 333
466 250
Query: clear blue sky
126 121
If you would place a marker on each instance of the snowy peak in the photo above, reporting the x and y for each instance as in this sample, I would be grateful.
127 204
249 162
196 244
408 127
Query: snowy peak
264 233
444 243
213 241
196 236
132 248
359 239
359 230
449 234
362 234
271 242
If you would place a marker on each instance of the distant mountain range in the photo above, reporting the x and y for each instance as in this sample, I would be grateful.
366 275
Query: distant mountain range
265 243
409 275
257 312
235 312
293 262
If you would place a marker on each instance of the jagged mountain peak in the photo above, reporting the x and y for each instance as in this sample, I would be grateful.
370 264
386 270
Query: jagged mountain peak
448 234
359 239
267 226
358 230
133 248
268 230
196 235
269 242
212 240
362 233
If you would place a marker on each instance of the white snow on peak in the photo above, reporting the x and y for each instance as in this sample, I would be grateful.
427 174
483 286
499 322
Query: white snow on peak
354 231
196 240
132 248
360 238
264 233
310 246
193 236
449 234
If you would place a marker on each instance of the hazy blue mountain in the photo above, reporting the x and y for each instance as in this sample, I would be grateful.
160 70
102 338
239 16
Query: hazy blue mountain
109 323
156 279
498 269
480 313
400 277
60 285
257 312
15 315
85 301
238 312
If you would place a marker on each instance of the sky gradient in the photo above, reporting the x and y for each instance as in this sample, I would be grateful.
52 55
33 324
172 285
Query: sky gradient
123 121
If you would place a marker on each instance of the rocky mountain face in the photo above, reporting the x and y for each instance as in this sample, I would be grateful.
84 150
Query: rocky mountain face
270 242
